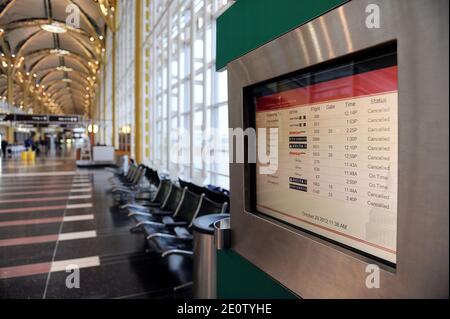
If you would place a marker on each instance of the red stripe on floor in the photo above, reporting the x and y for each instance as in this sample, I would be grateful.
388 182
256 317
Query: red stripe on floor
56 191
28 240
32 209
55 186
31 222
32 200
25 270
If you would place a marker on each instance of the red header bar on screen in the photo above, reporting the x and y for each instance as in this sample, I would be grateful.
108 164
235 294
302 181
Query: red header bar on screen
368 83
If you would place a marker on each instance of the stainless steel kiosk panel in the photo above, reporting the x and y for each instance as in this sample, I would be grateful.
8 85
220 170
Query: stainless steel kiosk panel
354 187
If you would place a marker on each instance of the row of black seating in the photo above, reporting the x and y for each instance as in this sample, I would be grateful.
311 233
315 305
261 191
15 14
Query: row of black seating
164 211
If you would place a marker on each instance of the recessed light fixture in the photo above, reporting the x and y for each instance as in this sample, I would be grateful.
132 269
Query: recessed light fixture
64 68
59 52
67 80
54 27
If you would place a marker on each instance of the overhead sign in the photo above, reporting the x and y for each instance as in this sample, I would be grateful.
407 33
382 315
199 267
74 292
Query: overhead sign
35 118
64 118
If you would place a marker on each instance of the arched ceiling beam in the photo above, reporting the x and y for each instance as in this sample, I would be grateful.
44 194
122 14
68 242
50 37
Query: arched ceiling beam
78 61
47 52
74 35
74 76
51 90
77 89
7 7
82 72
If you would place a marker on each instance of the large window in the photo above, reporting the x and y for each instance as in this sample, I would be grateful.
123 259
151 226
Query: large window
125 77
185 100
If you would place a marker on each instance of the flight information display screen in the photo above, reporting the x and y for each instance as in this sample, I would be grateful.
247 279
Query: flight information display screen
337 151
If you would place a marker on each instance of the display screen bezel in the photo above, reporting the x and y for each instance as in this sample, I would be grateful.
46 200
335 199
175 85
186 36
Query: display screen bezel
369 57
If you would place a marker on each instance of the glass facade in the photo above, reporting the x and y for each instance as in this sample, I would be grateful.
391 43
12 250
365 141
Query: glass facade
184 109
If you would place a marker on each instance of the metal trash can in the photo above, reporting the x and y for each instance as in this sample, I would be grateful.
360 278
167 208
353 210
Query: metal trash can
205 256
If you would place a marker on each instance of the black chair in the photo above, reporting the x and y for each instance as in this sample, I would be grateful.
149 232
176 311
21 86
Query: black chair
127 191
136 178
162 193
118 179
155 214
135 173
148 193
154 178
172 237
196 189
216 196
183 183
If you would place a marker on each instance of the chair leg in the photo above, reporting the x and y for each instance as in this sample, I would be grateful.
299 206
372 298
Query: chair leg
183 286
136 229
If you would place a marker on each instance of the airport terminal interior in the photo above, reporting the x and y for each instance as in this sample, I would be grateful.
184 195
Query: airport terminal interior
220 149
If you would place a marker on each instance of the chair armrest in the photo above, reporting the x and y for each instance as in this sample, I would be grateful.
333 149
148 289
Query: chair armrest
176 224
163 213
139 213
177 252
134 206
161 235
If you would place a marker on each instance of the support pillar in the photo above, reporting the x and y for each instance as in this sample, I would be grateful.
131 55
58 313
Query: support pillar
137 86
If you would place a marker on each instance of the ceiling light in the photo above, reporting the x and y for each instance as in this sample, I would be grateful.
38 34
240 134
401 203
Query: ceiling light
67 80
91 39
64 68
100 37
54 27
59 52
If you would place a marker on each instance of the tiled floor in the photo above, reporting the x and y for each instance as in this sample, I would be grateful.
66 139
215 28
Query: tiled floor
53 215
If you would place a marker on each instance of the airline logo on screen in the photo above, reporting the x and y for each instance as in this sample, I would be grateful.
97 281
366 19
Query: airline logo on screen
338 158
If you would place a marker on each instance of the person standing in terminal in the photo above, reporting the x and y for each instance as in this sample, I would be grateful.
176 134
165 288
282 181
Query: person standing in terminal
28 142
4 147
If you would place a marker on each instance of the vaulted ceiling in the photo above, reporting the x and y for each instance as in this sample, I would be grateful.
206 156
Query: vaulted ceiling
53 49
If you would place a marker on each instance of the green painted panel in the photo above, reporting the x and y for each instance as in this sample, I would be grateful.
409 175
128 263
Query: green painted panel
248 24
237 278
